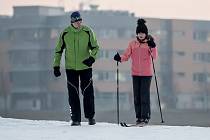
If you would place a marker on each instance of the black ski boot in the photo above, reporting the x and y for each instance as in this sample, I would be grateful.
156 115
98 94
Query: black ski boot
146 121
142 122
75 123
91 121
139 121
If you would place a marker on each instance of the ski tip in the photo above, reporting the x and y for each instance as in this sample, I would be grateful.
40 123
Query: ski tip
123 124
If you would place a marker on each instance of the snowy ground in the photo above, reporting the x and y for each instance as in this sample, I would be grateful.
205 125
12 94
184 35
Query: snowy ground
17 129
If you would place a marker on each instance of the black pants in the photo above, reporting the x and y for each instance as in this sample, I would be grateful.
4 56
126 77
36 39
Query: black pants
141 90
86 85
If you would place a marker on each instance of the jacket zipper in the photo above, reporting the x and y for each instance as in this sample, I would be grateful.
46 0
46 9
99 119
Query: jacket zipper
74 53
78 43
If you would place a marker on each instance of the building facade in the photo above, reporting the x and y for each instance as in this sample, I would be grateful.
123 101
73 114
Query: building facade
183 67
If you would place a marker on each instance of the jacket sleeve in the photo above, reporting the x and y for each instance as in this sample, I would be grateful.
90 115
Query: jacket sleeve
94 45
60 46
127 53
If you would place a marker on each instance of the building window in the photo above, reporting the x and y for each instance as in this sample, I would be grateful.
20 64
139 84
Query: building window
111 54
46 58
108 54
180 74
29 79
4 35
105 76
29 34
201 77
178 34
202 36
201 57
103 54
129 34
159 33
180 53
111 76
23 59
105 101
125 33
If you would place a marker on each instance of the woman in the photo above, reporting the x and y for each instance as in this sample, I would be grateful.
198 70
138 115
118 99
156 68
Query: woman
141 50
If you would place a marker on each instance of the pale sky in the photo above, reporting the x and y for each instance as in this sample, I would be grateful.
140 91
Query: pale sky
182 9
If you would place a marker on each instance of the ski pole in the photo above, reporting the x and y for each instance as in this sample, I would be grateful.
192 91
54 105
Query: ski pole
118 112
156 86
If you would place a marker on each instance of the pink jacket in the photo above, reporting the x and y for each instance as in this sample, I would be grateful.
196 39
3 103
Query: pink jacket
141 59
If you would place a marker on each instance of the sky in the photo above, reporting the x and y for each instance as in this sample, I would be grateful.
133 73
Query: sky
16 129
182 9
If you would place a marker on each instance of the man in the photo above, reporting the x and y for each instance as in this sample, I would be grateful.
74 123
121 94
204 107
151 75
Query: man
81 48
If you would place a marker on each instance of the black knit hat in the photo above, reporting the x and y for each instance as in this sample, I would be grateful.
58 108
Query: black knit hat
75 16
141 27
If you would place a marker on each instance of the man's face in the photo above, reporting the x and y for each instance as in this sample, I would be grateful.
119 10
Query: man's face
141 36
77 24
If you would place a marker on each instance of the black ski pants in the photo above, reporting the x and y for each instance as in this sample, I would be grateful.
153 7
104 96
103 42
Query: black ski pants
86 85
141 90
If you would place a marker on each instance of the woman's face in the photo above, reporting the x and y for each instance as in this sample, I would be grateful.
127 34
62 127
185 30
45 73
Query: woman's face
141 36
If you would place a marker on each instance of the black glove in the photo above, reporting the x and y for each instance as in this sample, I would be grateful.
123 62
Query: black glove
89 61
57 72
151 42
117 57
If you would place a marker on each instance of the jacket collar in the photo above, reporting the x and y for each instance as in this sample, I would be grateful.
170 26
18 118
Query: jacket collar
75 29
138 42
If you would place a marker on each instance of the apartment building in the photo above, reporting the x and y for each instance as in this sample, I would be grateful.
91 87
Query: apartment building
182 68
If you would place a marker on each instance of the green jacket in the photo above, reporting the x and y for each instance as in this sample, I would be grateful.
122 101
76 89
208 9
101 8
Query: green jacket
79 44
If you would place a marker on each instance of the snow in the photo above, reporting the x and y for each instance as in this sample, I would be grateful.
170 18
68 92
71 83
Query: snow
19 129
